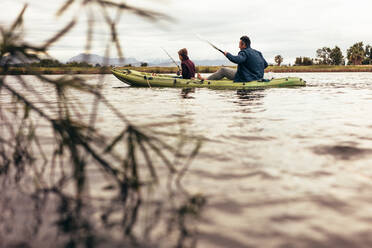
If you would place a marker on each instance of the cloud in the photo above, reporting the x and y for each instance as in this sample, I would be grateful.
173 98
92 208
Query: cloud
288 27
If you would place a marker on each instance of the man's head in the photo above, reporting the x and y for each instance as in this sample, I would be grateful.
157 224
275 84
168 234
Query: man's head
244 42
183 54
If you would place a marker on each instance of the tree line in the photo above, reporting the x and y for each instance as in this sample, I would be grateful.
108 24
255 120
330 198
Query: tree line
56 63
49 63
357 54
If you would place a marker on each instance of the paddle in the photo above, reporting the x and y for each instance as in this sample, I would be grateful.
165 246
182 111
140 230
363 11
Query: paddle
210 43
179 69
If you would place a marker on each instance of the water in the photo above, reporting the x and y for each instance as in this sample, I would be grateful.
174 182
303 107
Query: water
279 167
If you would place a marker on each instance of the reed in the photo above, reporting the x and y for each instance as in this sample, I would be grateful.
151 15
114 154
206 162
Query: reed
54 176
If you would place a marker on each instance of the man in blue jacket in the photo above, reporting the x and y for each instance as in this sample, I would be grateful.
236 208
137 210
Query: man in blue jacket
251 64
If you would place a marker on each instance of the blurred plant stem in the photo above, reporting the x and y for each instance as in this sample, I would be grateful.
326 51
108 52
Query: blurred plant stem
129 161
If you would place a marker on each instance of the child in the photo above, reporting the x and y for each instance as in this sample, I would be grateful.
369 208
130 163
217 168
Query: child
188 67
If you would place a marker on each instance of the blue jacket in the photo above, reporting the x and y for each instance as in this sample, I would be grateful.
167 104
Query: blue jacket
251 65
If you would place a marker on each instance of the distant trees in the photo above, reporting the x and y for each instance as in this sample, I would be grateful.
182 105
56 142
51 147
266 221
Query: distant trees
78 64
47 63
55 63
356 54
144 64
304 61
278 59
336 57
368 56
323 55
328 56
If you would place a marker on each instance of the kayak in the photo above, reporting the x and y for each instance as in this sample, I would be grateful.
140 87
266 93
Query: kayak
142 79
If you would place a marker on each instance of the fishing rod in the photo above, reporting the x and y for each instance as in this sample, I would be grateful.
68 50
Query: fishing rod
171 59
210 43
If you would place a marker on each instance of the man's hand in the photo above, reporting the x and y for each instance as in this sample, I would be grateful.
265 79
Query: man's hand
179 73
225 53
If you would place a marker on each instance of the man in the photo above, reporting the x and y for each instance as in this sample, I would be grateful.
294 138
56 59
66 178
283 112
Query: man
251 64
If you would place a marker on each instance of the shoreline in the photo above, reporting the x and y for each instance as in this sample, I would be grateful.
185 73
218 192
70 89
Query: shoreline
157 69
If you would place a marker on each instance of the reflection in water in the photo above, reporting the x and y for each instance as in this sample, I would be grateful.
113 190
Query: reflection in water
247 95
132 215
186 91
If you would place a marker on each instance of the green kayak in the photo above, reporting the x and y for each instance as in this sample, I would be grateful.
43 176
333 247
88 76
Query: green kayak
141 79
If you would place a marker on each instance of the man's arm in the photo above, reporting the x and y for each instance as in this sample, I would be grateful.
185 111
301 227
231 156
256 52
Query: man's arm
240 58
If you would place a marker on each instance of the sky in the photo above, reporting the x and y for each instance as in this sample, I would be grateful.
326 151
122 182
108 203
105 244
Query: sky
291 28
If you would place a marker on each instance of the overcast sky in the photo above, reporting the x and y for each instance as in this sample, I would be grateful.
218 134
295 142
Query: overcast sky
288 27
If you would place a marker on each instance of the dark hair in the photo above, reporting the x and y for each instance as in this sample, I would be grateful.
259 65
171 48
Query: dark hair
184 54
246 40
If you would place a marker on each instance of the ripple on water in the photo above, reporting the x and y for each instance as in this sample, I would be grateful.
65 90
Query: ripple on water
288 218
343 152
251 137
229 176
261 165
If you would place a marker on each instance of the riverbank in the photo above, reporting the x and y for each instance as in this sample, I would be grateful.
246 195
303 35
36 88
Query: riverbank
157 69
320 68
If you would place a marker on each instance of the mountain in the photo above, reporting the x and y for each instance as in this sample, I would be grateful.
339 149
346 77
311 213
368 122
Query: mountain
96 59
204 62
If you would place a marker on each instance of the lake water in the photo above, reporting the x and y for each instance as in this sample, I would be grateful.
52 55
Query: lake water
282 167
